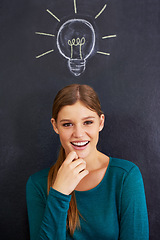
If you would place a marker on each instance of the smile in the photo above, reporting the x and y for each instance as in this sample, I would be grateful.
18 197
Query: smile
80 144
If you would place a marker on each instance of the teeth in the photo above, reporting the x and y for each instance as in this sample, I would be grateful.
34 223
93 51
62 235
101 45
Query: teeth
80 144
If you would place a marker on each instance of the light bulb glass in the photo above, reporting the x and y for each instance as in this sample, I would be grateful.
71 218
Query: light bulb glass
76 41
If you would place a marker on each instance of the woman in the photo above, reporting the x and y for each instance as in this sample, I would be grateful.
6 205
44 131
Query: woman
90 196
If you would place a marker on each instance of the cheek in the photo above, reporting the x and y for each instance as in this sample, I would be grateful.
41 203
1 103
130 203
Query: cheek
65 141
64 136
94 133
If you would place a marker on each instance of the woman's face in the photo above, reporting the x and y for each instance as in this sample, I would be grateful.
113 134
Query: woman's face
78 128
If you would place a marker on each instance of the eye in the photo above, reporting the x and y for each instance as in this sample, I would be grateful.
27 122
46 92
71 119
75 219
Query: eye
67 124
88 122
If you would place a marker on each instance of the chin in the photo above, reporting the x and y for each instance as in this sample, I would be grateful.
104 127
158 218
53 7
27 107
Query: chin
82 155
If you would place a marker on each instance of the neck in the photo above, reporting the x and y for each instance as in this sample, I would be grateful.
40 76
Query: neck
98 160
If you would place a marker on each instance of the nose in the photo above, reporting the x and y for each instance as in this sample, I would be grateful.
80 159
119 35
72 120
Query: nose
78 131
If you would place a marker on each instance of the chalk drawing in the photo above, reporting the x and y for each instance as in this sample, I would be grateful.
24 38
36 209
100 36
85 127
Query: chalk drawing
78 42
104 53
111 36
101 11
45 34
75 41
44 53
75 7
53 15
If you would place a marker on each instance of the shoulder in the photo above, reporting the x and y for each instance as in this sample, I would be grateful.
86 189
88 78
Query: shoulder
122 165
40 175
38 180
125 170
121 168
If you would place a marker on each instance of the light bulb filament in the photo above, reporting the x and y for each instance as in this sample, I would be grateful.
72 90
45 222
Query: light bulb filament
76 42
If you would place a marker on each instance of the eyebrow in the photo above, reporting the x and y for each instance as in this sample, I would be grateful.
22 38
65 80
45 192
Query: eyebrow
85 118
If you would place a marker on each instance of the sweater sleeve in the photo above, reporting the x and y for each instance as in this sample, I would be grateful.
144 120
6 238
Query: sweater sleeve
133 217
47 217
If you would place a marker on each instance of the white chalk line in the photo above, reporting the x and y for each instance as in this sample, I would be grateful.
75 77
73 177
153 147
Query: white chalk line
53 15
101 11
45 53
104 53
75 6
111 36
45 34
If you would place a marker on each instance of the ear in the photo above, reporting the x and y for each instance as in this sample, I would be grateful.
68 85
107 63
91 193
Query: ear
54 124
102 119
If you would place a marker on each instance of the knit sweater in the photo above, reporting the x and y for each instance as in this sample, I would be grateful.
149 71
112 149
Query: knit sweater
113 210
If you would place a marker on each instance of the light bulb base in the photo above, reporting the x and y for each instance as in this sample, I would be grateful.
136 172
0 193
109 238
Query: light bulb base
77 66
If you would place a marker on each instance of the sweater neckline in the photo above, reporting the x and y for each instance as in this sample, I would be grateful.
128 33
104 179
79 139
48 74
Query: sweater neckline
100 183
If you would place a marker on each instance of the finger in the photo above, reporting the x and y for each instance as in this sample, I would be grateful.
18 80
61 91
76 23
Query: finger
83 173
77 162
71 156
81 167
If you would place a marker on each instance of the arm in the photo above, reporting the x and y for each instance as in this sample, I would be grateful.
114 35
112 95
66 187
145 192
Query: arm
47 219
133 217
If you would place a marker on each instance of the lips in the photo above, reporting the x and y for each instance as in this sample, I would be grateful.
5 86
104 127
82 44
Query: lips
80 144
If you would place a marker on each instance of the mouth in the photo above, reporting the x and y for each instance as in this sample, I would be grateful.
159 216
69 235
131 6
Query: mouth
80 144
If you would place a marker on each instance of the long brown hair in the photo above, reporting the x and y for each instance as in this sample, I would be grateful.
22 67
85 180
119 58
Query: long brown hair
68 96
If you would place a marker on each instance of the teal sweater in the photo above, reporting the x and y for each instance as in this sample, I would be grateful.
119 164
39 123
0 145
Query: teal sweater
114 210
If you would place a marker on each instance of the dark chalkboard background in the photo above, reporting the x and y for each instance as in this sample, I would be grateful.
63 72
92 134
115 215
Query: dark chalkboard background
127 82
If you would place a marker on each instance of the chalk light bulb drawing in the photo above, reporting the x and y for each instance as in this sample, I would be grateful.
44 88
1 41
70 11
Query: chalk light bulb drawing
76 41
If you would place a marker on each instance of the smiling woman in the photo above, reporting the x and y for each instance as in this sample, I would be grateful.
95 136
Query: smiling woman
79 133
89 194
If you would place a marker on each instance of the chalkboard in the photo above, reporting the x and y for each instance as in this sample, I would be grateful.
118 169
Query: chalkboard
122 65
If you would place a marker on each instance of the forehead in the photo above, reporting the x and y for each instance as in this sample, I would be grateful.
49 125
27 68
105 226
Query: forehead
76 110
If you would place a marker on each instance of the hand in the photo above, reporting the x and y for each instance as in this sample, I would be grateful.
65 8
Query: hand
70 174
